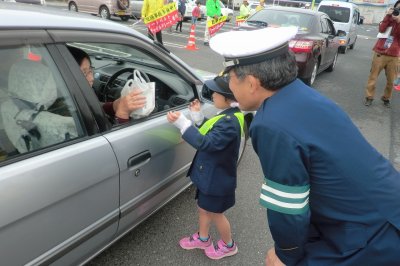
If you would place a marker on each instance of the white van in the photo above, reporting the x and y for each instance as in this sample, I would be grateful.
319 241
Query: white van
346 17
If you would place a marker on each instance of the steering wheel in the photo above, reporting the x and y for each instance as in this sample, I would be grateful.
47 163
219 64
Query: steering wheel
112 93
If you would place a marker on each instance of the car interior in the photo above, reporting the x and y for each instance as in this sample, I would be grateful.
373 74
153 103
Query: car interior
113 66
36 110
30 92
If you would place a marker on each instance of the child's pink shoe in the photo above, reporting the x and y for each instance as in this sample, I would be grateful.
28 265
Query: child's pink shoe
193 242
220 250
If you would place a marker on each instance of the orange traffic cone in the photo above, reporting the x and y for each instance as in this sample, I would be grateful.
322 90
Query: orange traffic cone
192 40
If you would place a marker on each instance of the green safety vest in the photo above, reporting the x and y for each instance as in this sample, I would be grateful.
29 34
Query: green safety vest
207 126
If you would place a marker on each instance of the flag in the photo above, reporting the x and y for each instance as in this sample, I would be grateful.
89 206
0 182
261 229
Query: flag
240 20
215 25
163 18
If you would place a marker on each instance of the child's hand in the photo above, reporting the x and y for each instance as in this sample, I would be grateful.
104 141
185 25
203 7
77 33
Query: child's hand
173 116
195 106
178 120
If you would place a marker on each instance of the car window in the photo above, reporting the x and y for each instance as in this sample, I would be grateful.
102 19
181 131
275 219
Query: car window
336 13
355 17
118 61
324 26
331 27
36 109
277 18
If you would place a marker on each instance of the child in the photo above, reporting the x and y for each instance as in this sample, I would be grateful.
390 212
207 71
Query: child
196 13
213 170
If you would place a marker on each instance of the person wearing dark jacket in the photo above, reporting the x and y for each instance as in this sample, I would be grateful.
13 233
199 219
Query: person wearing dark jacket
331 197
214 167
181 11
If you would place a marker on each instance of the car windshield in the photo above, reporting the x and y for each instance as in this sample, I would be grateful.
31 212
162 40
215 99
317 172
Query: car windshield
280 18
336 13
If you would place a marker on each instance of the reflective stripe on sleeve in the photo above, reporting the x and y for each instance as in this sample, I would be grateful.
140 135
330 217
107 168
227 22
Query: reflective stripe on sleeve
284 199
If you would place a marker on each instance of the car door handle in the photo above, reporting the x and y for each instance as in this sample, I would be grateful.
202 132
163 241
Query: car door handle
139 159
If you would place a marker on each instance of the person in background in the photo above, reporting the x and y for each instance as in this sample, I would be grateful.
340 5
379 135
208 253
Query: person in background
386 56
149 7
213 12
196 13
169 2
214 167
331 197
181 11
119 109
261 5
244 9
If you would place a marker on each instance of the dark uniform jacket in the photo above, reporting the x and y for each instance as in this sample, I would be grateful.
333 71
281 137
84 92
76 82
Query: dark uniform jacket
214 166
332 199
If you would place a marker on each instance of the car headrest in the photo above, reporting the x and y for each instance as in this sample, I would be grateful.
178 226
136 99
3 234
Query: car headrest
32 82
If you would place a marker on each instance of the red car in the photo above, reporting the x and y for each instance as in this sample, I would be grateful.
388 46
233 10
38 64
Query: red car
316 43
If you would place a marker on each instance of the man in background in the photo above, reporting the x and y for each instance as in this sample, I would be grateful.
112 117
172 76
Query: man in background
213 12
386 56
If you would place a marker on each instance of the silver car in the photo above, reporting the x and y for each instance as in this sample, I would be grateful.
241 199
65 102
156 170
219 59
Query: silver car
104 8
72 181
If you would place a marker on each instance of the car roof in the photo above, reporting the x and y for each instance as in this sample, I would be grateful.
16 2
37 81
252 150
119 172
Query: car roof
338 3
23 16
293 9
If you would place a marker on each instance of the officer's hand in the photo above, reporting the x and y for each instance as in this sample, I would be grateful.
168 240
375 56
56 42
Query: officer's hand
215 16
272 259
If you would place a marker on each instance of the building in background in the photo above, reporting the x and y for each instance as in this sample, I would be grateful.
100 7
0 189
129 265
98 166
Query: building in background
373 11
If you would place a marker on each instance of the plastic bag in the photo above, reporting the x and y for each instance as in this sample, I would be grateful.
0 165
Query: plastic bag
148 90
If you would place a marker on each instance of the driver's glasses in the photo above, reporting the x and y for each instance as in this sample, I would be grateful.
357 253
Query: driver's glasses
87 72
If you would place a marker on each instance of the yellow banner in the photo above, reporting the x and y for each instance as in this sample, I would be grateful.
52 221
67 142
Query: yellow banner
241 17
216 21
165 10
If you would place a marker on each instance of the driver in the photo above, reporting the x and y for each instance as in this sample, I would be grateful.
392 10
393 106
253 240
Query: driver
120 108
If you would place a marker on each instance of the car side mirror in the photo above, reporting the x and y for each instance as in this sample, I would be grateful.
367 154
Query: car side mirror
341 33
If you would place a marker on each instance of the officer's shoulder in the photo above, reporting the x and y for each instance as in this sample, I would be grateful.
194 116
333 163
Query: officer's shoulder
228 117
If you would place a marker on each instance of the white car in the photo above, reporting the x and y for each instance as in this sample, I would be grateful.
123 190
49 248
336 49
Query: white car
190 4
226 12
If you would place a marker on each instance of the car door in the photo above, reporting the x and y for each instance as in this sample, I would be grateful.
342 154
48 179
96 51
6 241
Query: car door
59 178
152 157
354 25
327 38
333 42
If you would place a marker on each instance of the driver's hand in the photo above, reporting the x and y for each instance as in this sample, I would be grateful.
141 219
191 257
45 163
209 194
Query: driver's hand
128 103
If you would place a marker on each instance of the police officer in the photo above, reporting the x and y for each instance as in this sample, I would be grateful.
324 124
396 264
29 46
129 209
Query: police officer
332 199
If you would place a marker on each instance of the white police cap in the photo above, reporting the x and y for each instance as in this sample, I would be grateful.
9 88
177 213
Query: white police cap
251 47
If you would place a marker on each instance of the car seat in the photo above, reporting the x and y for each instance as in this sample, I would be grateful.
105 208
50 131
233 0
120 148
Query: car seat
27 123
